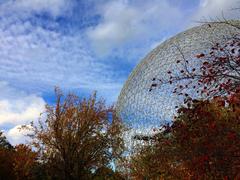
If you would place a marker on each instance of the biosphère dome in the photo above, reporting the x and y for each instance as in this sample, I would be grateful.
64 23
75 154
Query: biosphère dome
140 107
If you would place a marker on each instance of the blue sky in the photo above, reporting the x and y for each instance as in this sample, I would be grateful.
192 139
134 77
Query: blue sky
82 46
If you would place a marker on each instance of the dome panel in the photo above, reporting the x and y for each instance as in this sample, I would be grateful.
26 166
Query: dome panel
139 107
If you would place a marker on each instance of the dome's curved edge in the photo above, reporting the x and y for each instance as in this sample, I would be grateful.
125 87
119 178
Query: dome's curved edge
145 60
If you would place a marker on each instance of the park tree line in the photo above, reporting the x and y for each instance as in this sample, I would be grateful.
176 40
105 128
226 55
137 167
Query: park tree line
76 138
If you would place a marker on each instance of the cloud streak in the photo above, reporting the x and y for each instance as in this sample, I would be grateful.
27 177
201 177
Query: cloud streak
39 58
124 22
54 8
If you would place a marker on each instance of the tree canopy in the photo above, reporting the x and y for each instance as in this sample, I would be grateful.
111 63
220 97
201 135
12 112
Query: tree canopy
203 142
78 137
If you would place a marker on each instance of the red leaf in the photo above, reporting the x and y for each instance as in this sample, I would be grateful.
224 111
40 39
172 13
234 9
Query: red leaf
200 55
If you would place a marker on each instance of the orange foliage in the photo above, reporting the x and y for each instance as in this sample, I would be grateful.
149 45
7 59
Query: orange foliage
24 160
78 137
203 142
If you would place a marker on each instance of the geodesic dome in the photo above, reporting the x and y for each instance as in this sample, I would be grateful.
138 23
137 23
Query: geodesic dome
140 107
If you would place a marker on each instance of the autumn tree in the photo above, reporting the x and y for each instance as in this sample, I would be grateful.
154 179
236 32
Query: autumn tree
203 142
24 162
18 162
6 158
211 73
78 137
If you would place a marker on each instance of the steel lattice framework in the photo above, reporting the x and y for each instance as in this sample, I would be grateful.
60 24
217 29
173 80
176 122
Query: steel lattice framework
141 108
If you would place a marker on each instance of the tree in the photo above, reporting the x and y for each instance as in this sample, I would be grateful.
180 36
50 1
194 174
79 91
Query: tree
107 173
18 162
24 162
203 142
78 137
4 142
6 159
217 74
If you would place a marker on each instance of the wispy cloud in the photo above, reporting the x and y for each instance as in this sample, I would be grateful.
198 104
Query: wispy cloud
36 54
216 10
18 107
124 22
37 57
54 8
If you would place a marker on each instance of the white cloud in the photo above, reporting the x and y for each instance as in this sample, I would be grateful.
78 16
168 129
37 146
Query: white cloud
37 59
213 9
120 23
53 7
123 22
17 135
18 107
